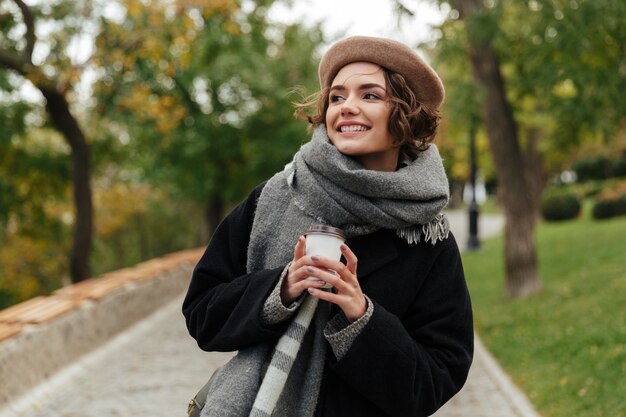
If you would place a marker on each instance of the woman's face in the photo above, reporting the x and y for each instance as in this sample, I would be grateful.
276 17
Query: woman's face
358 115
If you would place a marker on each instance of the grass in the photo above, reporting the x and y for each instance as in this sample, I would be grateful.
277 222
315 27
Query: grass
565 347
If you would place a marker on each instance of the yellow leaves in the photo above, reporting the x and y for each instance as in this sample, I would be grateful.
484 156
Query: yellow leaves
116 205
170 69
136 99
134 8
461 169
151 31
153 49
156 20
565 89
169 119
222 7
165 111
60 209
25 263
184 60
232 28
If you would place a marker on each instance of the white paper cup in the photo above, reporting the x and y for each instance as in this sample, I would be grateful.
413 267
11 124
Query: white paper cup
324 241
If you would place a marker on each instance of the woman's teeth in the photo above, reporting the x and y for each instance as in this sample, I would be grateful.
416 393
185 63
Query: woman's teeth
353 128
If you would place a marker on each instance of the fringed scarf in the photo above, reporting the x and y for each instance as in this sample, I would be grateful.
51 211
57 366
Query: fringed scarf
321 185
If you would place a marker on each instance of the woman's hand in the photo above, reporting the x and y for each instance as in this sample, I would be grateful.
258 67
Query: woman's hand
347 292
296 281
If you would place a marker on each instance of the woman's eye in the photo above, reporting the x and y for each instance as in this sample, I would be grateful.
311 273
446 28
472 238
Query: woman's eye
335 98
370 96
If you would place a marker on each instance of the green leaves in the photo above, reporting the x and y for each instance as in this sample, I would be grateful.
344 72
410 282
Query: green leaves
204 97
564 64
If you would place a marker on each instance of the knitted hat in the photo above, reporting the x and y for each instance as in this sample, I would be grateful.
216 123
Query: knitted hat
387 53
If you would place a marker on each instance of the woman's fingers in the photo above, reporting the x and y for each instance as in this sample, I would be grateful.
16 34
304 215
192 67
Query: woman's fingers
351 259
299 250
353 307
291 288
338 273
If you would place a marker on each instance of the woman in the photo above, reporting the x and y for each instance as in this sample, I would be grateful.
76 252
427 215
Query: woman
394 337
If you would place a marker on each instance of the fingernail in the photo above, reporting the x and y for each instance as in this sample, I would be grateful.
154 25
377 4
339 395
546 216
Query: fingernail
310 269
311 290
343 247
316 258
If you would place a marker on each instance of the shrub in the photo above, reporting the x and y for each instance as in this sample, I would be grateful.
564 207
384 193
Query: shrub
610 202
559 205
592 168
600 167
617 168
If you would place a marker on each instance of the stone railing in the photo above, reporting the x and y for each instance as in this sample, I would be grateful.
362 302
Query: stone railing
40 336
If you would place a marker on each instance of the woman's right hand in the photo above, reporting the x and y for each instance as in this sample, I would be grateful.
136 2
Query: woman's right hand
296 282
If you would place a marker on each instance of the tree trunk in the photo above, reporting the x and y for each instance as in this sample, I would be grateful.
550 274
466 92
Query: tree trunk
522 278
58 109
534 167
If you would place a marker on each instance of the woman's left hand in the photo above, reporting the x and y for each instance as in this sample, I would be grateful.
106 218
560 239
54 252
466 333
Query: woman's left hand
347 292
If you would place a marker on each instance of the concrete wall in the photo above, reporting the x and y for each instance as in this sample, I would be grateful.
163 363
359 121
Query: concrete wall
52 332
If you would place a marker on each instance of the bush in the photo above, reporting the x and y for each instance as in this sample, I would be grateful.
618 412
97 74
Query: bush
559 205
592 168
600 167
611 202
605 209
618 167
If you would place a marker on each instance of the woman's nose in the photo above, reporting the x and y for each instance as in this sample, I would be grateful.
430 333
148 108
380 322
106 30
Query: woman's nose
349 106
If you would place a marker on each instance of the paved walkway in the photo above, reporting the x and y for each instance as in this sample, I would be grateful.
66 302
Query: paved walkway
154 368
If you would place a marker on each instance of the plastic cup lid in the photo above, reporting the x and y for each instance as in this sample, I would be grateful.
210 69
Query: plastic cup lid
325 229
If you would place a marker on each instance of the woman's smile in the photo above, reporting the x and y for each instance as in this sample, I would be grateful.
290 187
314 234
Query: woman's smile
351 127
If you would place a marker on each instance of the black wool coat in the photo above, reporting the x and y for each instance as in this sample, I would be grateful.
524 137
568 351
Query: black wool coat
412 356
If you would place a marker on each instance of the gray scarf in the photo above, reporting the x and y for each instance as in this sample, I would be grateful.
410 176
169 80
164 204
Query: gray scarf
321 185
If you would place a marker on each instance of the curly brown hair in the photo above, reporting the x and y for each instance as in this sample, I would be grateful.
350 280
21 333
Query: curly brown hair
412 125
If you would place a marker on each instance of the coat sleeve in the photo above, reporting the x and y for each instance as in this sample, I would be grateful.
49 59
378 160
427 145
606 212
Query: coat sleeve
223 304
412 366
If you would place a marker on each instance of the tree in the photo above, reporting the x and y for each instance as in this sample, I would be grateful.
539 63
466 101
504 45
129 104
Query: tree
549 74
517 192
564 62
54 78
201 92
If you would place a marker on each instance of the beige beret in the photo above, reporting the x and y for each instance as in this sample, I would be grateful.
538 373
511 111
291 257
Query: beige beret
387 53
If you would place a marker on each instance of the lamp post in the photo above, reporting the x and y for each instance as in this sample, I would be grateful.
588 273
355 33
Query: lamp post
473 243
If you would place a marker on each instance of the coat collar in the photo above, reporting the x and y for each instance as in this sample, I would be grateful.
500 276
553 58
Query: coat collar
373 251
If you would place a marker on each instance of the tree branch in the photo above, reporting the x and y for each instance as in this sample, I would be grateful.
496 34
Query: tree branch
12 61
29 21
21 62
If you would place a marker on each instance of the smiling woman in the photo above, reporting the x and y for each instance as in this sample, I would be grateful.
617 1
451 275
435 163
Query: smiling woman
403 317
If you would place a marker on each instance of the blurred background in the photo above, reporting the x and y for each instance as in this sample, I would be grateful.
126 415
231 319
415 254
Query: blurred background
128 128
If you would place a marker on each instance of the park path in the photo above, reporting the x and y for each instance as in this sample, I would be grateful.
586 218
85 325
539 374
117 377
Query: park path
153 369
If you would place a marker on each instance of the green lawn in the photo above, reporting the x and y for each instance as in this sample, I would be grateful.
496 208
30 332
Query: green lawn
566 347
